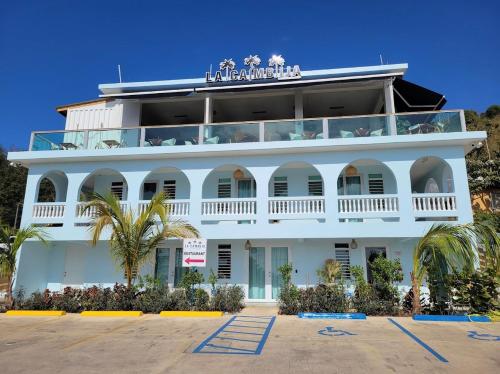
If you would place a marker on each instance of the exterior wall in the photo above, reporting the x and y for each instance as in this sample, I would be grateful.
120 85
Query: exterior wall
78 264
111 114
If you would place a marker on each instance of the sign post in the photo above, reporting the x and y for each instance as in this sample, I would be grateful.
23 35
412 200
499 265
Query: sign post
194 252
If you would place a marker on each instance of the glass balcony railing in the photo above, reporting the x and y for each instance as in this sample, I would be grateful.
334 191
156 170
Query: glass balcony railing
231 133
358 127
172 135
428 123
247 132
293 130
56 141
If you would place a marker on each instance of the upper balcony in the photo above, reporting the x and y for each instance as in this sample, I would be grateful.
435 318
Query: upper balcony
314 129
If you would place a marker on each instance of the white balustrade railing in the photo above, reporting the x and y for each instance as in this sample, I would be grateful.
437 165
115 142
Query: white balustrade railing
90 213
434 202
229 207
303 205
48 210
175 207
369 205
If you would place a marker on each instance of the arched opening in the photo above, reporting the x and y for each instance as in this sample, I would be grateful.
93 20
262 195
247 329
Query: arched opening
296 179
366 177
229 182
170 180
431 175
52 187
104 181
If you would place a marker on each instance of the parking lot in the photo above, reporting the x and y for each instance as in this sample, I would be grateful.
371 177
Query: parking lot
245 344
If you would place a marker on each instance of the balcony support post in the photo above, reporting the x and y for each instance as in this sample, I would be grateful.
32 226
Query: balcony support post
389 106
299 105
142 137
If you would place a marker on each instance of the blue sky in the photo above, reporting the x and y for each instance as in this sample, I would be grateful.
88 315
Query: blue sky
57 52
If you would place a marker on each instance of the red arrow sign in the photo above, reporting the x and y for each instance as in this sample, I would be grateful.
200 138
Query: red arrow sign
189 260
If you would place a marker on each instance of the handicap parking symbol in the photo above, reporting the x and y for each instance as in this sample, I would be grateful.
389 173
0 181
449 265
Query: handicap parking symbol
330 331
475 335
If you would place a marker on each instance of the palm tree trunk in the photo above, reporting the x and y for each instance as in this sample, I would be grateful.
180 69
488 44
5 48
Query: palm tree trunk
416 307
10 299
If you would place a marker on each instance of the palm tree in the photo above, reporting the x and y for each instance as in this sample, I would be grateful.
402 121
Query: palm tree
11 240
330 271
227 64
135 238
445 247
276 61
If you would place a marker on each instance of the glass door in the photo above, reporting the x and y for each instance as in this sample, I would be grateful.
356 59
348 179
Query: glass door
162 265
256 272
279 257
179 270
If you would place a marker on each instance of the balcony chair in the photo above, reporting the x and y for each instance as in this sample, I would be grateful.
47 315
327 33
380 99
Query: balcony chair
168 142
294 136
214 140
377 132
346 134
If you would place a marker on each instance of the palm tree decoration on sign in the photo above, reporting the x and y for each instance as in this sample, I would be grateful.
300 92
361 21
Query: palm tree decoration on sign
252 61
227 65
11 240
276 61
445 247
134 239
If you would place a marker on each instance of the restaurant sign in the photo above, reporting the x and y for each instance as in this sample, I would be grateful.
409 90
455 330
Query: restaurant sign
276 70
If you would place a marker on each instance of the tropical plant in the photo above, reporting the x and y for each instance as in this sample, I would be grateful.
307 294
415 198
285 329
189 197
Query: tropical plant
11 240
135 238
252 61
445 247
276 61
330 271
227 65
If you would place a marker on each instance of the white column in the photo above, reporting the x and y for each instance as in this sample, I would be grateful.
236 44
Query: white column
262 176
134 187
30 197
75 181
330 173
208 118
299 105
461 188
196 178
389 105
401 172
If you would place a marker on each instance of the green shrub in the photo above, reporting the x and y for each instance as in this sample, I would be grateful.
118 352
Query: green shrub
289 300
201 300
95 298
37 301
178 300
228 299
122 298
69 300
476 291
330 299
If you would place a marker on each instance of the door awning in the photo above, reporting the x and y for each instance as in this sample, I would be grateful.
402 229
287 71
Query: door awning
410 97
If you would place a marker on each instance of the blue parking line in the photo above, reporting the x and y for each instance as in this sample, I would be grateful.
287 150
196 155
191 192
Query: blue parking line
208 346
250 327
240 340
419 341
242 332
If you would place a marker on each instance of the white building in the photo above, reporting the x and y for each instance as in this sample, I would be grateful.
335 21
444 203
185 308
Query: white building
270 164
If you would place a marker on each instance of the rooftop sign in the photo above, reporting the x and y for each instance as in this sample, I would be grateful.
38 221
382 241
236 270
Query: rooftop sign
277 70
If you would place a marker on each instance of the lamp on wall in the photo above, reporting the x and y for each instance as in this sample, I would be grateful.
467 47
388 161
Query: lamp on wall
248 245
351 170
353 244
238 174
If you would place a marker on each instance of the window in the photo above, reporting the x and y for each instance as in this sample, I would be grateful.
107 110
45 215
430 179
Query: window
224 188
117 189
149 190
169 188
280 186
349 185
162 264
342 256
315 185
224 262
375 184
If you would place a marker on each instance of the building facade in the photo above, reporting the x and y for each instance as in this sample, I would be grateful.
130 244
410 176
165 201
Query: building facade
271 165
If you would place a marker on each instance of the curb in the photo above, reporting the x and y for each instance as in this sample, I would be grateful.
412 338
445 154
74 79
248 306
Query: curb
111 313
452 318
332 315
190 314
36 313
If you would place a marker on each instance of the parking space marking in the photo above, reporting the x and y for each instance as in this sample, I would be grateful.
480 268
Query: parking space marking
214 344
418 340
484 337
